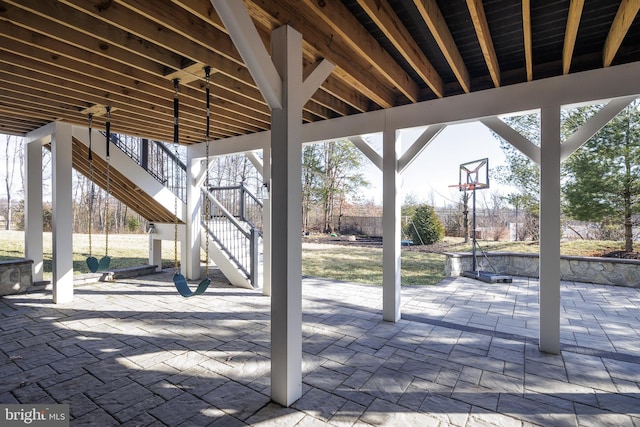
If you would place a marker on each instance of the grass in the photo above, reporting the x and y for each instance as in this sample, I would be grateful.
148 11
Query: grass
364 265
569 247
125 250
420 265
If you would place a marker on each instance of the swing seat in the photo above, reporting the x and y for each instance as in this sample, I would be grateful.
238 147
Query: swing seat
104 263
182 286
93 264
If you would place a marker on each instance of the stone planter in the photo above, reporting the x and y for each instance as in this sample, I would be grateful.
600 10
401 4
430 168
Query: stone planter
15 276
605 271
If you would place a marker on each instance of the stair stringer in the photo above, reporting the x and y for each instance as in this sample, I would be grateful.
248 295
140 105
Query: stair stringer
130 169
226 266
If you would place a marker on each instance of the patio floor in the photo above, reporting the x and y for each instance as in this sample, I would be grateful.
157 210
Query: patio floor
465 353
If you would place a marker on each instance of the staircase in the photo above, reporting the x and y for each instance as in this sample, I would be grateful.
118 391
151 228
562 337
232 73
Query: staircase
148 178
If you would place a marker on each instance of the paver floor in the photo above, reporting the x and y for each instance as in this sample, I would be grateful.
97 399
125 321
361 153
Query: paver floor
465 353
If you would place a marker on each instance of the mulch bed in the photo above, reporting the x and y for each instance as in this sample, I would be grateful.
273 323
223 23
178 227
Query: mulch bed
622 255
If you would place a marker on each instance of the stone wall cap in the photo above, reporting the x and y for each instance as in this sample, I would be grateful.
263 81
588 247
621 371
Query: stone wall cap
17 261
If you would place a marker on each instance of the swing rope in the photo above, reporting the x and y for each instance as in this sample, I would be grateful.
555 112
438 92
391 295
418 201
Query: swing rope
106 208
92 263
207 72
176 106
179 280
91 194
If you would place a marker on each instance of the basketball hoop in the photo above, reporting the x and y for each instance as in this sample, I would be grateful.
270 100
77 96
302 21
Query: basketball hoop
475 176
470 187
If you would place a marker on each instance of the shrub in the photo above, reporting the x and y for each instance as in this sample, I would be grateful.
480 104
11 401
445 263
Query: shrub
425 227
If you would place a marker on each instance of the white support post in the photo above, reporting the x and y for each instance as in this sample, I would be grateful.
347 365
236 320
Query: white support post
266 224
155 252
390 227
33 224
62 214
286 196
550 229
280 79
191 250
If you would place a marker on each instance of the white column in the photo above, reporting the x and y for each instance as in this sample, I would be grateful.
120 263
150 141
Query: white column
62 214
279 78
390 227
286 196
550 230
33 226
266 224
155 252
191 248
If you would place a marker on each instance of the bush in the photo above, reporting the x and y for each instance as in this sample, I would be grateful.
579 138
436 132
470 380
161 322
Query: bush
425 227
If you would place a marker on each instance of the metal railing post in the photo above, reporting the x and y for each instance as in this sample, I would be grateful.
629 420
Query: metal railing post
243 205
254 256
144 154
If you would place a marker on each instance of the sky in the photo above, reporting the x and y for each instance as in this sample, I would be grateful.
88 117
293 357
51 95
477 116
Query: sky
428 178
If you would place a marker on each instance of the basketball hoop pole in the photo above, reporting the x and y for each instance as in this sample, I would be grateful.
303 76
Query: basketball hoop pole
474 242
473 173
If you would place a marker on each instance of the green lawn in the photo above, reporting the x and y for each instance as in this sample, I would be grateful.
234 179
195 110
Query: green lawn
125 250
420 265
364 265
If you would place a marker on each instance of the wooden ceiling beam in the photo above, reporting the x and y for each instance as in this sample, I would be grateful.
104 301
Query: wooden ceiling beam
178 35
104 91
432 16
32 105
32 58
479 19
319 44
56 20
571 33
624 18
158 33
381 12
528 41
334 90
40 87
118 126
339 21
105 62
45 79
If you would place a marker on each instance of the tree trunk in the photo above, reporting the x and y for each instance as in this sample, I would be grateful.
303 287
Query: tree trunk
628 224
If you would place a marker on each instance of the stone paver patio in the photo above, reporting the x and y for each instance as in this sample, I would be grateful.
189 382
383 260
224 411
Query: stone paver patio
465 353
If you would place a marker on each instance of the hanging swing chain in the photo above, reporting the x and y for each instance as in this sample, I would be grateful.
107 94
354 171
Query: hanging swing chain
106 209
176 83
207 71
90 119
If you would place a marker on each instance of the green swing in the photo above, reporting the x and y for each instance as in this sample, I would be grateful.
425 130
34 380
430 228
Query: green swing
179 280
92 262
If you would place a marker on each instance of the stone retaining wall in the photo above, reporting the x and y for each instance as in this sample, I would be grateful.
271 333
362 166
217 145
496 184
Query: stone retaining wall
15 276
605 271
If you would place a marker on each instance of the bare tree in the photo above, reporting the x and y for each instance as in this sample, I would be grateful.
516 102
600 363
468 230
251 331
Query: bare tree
13 150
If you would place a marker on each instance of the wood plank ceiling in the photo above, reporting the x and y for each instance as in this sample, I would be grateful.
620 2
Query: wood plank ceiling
61 58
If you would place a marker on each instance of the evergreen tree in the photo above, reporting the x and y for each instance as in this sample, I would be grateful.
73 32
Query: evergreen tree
425 227
601 180
603 177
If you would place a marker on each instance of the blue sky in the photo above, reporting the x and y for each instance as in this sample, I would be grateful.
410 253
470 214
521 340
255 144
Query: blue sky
437 167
